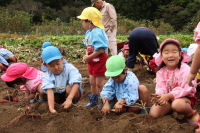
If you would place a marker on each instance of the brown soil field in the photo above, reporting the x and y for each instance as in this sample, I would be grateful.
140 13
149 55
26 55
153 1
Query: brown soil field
79 119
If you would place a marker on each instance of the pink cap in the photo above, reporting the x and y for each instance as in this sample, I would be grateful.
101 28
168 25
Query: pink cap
158 57
17 70
126 47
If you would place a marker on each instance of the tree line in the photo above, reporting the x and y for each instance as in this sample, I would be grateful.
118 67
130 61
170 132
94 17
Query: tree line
178 13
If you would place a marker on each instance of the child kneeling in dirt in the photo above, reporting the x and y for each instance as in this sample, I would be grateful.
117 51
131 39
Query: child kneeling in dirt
29 78
62 81
172 90
122 88
6 57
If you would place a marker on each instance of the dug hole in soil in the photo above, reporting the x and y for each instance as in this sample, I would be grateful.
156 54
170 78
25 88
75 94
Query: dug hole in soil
80 119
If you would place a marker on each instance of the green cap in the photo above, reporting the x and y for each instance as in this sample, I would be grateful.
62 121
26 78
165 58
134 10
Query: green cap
115 65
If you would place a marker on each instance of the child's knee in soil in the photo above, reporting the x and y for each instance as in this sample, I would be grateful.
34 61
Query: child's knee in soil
181 105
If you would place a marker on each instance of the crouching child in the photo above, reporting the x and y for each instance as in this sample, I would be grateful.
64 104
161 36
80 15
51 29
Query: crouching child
122 88
62 81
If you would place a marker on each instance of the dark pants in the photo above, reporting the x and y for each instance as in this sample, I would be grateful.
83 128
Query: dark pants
141 40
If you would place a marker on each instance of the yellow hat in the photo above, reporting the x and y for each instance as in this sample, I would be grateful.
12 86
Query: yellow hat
92 14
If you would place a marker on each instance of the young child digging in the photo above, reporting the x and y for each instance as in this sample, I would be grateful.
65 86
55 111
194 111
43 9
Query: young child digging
172 91
29 78
96 42
122 88
62 81
6 57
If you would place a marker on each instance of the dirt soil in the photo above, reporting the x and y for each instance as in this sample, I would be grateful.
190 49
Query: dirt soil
80 119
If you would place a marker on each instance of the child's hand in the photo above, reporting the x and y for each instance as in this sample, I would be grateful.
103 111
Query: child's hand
164 98
106 108
155 98
191 77
53 111
67 103
119 105
86 58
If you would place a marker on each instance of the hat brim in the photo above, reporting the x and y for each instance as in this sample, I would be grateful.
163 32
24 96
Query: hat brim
81 17
113 74
6 78
52 59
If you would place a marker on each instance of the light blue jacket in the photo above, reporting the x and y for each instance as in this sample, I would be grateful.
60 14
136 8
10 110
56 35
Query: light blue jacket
128 89
58 83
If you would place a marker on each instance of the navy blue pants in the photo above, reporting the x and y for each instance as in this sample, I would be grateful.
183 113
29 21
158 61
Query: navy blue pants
141 40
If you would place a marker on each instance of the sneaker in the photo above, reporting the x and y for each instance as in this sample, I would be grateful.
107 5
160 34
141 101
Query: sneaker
93 100
194 120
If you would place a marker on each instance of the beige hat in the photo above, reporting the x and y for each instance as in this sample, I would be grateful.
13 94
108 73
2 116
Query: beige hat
93 2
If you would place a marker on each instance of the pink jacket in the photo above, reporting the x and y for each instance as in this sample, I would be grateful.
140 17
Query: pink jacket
197 34
175 82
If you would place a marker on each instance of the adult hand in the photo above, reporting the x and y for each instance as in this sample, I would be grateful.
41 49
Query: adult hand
67 103
191 77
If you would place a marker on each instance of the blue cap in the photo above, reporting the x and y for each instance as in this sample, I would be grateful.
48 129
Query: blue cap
185 49
50 54
46 44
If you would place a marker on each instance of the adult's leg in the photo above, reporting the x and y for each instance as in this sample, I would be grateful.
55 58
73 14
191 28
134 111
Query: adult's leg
133 50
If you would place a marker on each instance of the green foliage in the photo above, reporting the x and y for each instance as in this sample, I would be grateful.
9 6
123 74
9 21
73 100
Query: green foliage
28 49
19 21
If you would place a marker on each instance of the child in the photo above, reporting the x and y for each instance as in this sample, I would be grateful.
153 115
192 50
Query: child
96 42
125 51
172 90
29 78
6 57
58 76
122 86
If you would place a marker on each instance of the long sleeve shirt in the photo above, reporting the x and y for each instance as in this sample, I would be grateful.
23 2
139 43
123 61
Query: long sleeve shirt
109 19
128 89
174 82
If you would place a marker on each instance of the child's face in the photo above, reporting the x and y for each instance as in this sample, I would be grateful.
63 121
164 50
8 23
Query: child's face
120 78
171 56
126 53
86 24
56 66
